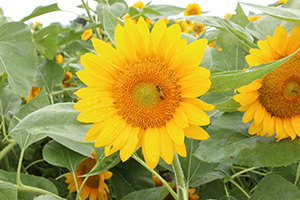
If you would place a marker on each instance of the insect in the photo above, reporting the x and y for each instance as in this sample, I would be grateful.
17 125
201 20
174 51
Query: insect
160 92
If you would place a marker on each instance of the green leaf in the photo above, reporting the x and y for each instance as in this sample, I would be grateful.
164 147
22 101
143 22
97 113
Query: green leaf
224 81
46 41
8 191
49 74
59 155
118 9
77 46
214 190
232 56
125 181
275 187
9 101
110 22
41 10
58 119
222 100
45 197
287 14
111 2
29 180
22 137
231 143
240 18
146 194
17 56
164 10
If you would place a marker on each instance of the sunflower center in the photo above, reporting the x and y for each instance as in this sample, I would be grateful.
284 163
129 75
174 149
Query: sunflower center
85 167
280 93
146 93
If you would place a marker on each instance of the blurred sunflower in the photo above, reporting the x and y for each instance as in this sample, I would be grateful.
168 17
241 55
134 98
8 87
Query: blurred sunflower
59 58
33 92
143 92
273 102
139 4
87 34
95 188
254 18
67 77
192 9
283 1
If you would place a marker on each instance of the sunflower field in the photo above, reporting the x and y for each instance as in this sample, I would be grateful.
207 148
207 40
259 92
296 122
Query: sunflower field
151 102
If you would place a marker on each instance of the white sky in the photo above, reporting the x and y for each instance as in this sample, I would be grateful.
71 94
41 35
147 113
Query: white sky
17 9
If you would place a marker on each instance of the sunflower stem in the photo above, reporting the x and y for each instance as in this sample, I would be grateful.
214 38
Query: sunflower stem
297 175
7 148
182 191
19 168
139 160
240 188
243 171
86 7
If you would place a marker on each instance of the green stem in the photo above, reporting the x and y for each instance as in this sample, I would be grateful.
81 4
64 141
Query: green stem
33 163
25 188
182 191
240 188
7 148
51 99
226 191
64 90
139 160
85 5
19 168
297 175
243 171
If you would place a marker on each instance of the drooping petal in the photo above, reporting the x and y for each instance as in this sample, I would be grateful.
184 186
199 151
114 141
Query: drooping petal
194 114
130 147
180 149
288 128
296 123
157 31
151 147
176 133
166 146
196 132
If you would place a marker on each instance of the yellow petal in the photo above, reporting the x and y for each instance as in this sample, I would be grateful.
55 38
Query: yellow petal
112 129
151 147
296 123
91 79
249 114
294 41
124 45
157 31
246 98
253 86
166 146
280 132
174 56
89 92
97 102
180 149
98 115
271 128
180 118
259 115
194 114
279 40
176 133
253 129
288 127
201 104
196 132
94 131
266 123
130 146
145 33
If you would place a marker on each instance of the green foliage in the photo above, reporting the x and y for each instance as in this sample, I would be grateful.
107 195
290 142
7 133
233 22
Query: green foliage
41 10
8 191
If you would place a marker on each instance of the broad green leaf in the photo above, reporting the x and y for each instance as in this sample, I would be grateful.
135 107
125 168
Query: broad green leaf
59 155
118 9
77 46
9 101
8 191
110 22
165 192
125 181
146 194
222 100
275 187
49 74
288 14
39 101
224 81
135 13
28 180
22 137
45 197
231 143
232 56
100 11
189 38
40 11
111 2
105 163
240 18
164 10
46 41
17 56
58 119
286 172
214 190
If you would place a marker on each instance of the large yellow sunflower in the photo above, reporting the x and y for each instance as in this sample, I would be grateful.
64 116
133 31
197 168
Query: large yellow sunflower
273 102
143 92
94 188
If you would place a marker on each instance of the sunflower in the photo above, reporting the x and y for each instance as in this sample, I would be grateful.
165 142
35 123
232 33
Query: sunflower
33 92
139 5
143 92
87 34
59 58
273 102
283 1
67 77
95 188
192 9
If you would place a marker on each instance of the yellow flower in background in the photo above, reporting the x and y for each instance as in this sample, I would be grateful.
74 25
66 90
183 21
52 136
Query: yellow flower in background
87 34
148 21
196 27
273 102
283 1
228 16
254 18
192 9
67 77
37 26
139 4
144 92
33 92
94 188
185 27
212 44
59 58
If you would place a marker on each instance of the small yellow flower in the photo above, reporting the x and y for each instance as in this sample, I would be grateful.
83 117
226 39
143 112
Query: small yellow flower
87 34
272 102
148 21
59 58
33 92
228 16
95 188
139 4
196 27
37 26
67 77
283 1
253 18
192 9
